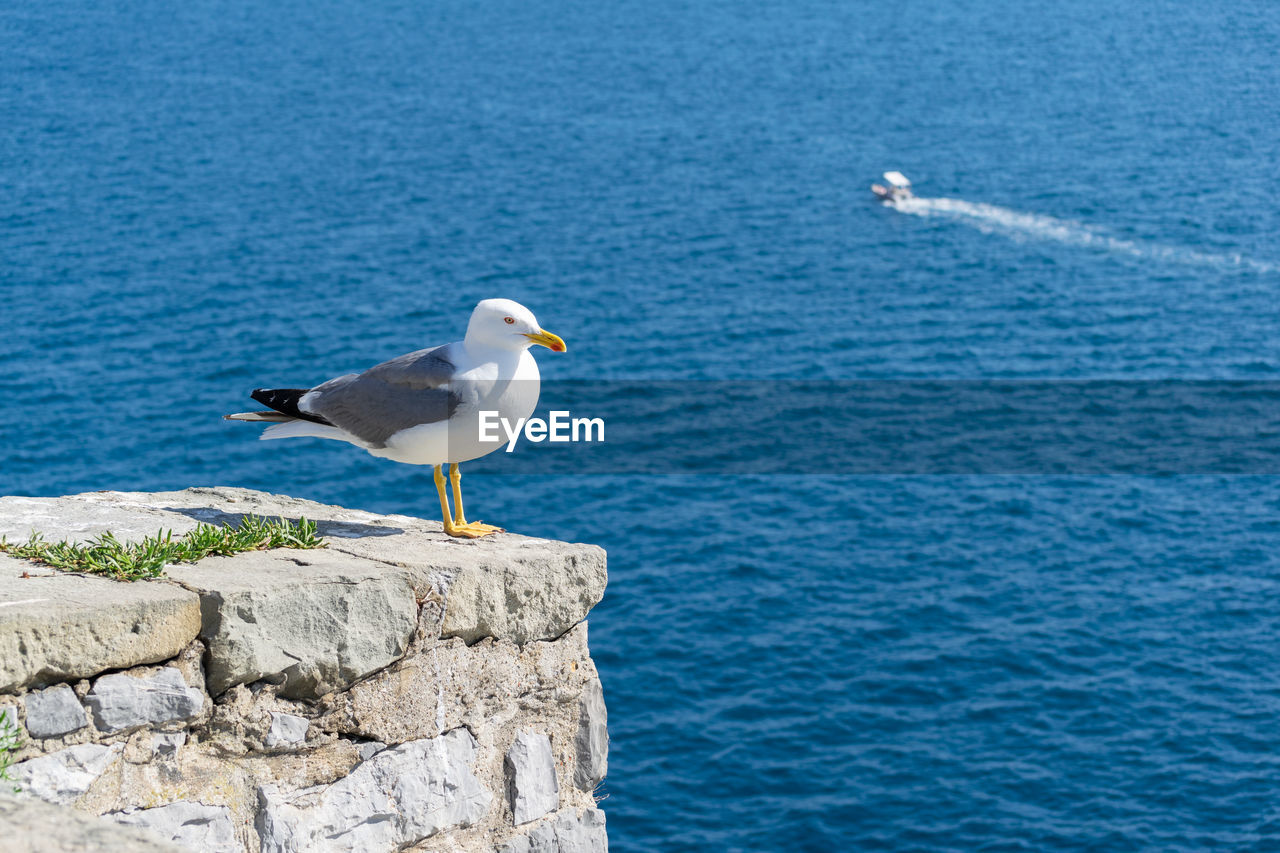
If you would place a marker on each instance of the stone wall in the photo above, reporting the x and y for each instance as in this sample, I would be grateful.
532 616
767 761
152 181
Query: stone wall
397 690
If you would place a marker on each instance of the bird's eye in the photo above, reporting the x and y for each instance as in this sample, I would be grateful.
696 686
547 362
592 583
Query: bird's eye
508 320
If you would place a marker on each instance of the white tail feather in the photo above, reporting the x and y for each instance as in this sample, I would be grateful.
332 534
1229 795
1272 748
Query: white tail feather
305 429
274 417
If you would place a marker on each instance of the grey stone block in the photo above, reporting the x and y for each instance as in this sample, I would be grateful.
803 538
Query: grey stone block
395 799
507 586
521 589
369 749
54 712
567 832
192 826
30 826
167 744
64 776
585 833
130 516
287 730
531 777
317 621
591 743
56 626
539 839
120 701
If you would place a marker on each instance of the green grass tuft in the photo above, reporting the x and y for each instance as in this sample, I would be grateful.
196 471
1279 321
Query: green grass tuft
10 742
131 561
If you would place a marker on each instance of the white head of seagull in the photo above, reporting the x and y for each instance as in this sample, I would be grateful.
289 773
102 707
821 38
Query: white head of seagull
423 408
505 324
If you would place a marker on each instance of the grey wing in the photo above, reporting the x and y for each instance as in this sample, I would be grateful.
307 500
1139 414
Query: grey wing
404 392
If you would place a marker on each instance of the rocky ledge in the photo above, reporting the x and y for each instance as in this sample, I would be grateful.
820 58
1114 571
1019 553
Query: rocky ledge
397 690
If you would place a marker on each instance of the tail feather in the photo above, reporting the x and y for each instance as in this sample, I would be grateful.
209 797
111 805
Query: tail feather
304 429
273 417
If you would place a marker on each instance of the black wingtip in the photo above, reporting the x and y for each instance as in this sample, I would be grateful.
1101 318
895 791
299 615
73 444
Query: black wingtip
285 401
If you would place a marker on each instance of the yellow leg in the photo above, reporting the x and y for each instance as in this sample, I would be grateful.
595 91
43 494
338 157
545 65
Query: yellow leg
449 527
477 528
455 477
444 500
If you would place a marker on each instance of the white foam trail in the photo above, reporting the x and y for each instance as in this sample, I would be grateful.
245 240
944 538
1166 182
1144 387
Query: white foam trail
992 219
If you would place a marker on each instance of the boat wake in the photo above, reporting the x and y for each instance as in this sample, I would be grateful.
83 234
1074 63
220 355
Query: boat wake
992 219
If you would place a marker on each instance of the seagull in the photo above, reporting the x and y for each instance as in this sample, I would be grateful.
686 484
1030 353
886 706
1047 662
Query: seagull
423 408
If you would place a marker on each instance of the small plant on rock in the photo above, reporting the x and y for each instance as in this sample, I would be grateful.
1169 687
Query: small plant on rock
107 555
10 742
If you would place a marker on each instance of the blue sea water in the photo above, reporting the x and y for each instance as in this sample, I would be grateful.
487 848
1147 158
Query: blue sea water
199 199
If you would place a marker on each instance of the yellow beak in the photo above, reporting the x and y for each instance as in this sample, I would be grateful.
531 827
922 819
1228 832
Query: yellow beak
548 340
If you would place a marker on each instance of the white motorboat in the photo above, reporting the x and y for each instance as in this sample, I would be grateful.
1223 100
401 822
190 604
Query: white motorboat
895 188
